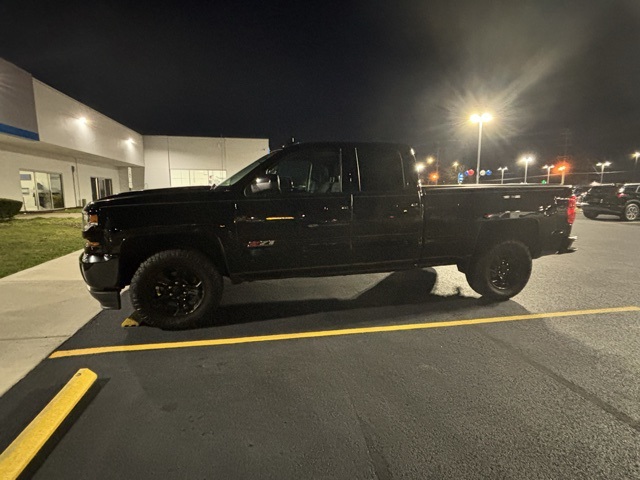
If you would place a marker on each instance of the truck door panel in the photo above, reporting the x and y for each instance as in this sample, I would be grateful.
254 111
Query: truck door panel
387 214
266 230
308 223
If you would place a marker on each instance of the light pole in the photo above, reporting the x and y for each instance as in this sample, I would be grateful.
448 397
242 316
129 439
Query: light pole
602 165
527 161
502 169
562 168
480 119
430 161
548 167
635 166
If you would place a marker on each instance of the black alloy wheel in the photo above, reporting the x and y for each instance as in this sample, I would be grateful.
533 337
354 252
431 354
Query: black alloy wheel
501 271
176 289
179 291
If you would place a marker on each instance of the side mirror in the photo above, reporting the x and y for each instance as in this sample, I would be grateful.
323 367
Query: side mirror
265 183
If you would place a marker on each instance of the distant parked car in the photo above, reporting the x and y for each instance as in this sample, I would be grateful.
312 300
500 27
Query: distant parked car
611 199
580 191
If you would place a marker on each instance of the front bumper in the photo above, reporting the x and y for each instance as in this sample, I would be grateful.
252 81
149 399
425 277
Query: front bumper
101 274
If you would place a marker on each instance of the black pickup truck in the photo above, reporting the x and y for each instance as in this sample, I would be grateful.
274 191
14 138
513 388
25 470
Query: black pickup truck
314 209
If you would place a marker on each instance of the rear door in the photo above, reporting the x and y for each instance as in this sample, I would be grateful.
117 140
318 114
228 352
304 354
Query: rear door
387 215
602 195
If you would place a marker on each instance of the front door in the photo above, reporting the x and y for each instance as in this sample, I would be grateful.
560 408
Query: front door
303 226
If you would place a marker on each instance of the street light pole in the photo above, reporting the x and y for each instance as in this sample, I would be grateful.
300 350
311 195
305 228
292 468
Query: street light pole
602 165
548 167
635 166
480 119
562 169
502 169
526 161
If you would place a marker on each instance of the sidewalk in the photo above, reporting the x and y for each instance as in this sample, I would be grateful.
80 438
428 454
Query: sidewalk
40 308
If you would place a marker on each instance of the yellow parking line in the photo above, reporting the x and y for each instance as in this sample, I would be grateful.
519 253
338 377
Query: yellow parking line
331 333
25 447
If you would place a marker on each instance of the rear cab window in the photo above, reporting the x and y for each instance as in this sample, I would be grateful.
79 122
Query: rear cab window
385 169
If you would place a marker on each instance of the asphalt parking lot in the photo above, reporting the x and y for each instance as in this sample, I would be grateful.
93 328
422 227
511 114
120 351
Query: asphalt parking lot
407 375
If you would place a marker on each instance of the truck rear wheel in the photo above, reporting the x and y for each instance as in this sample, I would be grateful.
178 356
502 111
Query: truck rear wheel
502 271
176 289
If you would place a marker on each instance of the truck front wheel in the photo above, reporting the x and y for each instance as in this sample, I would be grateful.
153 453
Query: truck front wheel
502 271
176 289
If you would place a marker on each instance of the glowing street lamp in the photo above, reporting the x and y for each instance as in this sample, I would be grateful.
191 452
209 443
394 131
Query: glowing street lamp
527 160
602 165
480 119
548 167
635 166
502 169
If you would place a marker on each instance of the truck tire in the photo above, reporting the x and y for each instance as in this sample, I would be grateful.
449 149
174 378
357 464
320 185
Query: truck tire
176 289
501 271
589 214
631 212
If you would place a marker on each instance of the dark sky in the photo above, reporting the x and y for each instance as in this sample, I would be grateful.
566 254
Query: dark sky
551 71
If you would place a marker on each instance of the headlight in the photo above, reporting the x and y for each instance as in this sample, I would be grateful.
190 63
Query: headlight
89 220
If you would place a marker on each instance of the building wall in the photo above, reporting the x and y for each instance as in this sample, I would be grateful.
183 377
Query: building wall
76 175
163 153
17 105
60 125
44 130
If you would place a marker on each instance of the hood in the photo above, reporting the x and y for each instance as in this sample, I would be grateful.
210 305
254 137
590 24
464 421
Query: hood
159 195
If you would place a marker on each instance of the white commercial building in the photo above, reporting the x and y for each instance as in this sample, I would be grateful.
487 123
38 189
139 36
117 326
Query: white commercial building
56 152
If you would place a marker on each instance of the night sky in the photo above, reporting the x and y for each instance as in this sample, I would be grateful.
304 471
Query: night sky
558 75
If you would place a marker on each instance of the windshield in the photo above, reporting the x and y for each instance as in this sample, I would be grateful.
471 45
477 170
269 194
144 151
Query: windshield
233 179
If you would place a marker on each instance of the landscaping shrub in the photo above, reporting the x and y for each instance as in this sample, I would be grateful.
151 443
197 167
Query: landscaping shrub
9 208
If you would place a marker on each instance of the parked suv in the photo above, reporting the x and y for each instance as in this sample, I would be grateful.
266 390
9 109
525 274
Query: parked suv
623 201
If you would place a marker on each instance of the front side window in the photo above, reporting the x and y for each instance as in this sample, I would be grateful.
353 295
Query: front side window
309 171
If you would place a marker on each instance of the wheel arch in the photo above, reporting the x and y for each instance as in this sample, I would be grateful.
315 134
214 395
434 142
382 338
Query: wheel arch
135 250
525 230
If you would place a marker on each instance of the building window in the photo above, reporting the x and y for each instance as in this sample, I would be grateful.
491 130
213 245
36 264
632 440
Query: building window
101 187
186 178
41 190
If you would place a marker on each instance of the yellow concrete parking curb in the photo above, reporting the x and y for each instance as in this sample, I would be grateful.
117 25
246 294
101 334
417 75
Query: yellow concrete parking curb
26 446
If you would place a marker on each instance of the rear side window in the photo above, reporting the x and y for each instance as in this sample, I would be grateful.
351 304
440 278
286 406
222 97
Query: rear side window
380 169
608 190
630 189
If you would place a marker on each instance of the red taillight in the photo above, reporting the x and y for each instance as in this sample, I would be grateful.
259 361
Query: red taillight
622 195
571 210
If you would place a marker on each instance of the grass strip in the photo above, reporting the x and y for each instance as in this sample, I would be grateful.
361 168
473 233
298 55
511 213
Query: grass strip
25 243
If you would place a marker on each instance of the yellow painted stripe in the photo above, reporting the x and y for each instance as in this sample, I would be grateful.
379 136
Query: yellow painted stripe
331 333
25 447
280 218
